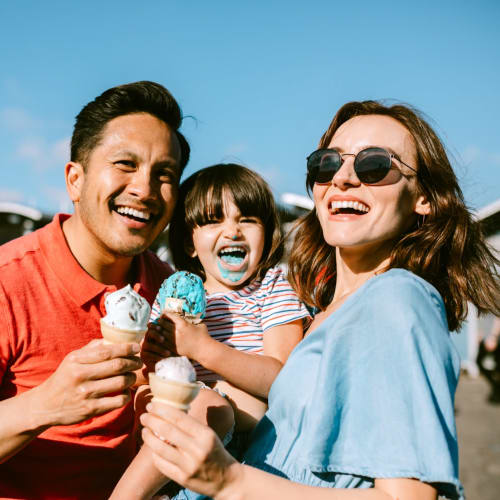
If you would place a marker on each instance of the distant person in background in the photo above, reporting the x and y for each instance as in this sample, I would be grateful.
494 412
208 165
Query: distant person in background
66 415
363 408
488 360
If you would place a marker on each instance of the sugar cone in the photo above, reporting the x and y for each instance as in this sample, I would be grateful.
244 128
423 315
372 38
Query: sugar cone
172 392
114 335
175 306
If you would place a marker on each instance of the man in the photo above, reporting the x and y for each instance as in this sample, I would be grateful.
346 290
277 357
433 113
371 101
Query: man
65 403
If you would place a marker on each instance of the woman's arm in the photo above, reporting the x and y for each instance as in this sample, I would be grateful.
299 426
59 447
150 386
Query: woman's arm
253 373
192 455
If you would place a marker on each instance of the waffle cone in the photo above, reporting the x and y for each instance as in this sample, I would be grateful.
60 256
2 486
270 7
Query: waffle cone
176 394
175 306
114 335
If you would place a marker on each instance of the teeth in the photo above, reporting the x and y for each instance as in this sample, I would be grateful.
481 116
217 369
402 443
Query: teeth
335 206
232 250
135 213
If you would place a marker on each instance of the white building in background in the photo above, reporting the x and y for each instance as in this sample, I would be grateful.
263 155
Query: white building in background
476 328
17 220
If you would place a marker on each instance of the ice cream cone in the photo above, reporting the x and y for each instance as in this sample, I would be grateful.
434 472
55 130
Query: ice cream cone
174 393
175 306
114 335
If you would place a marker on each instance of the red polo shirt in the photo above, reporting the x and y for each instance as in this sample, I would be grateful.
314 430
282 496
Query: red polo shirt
49 306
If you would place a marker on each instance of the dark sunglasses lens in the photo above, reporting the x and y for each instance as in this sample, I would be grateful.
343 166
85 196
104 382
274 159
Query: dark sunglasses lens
322 166
372 165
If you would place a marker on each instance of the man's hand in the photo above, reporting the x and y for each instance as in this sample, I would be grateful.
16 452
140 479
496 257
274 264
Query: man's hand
90 381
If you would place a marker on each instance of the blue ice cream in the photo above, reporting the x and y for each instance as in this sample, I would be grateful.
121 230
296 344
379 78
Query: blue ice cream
189 288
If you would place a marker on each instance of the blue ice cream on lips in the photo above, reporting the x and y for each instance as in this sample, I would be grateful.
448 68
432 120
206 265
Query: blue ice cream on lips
183 293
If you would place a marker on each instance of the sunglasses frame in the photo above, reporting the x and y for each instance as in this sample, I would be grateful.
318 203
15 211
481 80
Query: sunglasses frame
390 156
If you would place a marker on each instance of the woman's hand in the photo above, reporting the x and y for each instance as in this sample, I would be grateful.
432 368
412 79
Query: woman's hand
187 451
184 338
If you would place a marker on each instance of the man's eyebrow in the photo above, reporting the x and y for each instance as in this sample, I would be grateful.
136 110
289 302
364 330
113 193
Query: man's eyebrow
125 152
167 162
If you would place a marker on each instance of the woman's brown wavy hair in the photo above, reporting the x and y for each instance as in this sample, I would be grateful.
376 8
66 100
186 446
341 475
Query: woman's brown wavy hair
201 199
446 247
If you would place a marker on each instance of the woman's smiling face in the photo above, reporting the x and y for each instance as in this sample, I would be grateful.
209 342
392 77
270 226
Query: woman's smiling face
357 216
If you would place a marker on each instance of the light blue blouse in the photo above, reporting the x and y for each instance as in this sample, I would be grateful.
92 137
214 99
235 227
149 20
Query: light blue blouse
368 394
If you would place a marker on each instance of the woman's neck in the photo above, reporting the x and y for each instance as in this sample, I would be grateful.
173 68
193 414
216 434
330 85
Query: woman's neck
355 268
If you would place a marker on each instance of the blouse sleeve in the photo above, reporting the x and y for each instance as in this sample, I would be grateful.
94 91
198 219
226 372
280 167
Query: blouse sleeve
387 379
279 302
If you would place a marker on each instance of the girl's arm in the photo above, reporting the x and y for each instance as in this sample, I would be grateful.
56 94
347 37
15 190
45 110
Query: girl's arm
253 373
192 455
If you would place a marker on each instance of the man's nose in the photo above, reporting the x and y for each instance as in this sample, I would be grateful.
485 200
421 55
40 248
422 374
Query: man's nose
142 184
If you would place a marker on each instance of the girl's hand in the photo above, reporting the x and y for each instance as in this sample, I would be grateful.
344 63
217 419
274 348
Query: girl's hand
187 451
183 338
153 347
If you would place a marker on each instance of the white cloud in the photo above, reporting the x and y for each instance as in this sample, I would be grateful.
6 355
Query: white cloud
44 155
235 149
10 195
58 198
18 120
471 154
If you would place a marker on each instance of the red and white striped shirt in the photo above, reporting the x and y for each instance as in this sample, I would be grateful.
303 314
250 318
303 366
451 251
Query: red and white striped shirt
241 317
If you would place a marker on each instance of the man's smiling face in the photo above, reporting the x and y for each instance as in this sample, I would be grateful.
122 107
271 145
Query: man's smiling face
127 191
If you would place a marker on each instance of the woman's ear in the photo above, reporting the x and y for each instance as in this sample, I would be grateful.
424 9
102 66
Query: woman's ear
422 206
75 177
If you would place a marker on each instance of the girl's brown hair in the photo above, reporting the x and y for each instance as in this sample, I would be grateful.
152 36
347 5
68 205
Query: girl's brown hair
201 199
446 247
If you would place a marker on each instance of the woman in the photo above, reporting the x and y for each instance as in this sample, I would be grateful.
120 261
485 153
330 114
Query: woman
390 256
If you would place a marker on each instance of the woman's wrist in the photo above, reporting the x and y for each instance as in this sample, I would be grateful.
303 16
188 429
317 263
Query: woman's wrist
232 486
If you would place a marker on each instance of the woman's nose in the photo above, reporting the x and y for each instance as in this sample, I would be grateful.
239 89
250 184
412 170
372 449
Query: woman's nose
346 175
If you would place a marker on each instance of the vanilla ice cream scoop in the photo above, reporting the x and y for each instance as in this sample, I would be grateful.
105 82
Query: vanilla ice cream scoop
177 368
174 382
126 310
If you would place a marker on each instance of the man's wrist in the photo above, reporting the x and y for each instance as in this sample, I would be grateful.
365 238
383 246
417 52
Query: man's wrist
40 416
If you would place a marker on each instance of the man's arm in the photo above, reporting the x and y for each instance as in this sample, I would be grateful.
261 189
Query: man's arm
90 381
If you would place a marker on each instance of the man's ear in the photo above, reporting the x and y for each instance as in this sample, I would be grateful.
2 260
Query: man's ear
422 206
189 247
75 177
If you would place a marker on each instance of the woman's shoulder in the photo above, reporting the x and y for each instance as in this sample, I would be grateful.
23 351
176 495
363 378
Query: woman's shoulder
404 287
400 301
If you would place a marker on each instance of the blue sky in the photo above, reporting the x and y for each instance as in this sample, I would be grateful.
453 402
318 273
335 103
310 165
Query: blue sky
262 79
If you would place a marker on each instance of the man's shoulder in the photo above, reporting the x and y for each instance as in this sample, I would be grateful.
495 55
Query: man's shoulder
153 261
14 252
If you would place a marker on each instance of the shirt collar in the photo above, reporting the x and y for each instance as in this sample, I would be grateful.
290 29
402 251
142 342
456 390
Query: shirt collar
74 279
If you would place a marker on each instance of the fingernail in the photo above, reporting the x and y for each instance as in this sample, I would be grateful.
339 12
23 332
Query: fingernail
149 407
136 347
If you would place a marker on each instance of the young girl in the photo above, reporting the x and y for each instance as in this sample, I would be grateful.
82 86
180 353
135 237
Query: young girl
225 229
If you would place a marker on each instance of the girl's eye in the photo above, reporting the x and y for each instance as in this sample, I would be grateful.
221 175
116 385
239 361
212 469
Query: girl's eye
212 221
250 220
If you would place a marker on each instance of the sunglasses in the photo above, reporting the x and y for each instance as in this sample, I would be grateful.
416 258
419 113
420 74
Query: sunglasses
371 165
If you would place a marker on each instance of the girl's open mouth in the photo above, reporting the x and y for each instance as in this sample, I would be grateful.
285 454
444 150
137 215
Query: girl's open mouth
232 257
